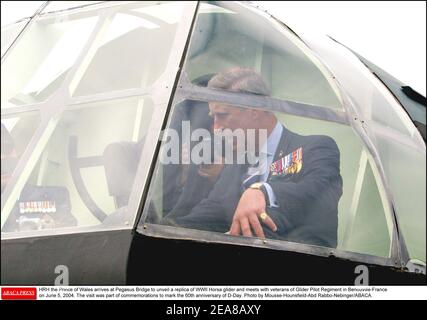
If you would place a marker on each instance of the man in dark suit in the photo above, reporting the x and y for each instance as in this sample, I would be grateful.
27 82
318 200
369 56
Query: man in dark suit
292 195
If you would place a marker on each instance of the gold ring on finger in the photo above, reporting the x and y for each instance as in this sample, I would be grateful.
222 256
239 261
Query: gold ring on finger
263 216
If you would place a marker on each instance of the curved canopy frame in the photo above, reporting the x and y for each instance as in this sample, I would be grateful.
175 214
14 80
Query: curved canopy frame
180 90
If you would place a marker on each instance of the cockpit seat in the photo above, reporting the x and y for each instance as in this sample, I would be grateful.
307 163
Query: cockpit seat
120 162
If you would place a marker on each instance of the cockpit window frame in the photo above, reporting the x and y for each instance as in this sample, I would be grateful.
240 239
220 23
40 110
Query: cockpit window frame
399 256
188 91
160 92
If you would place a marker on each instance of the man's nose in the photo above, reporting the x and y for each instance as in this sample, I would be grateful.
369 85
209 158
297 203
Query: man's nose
217 126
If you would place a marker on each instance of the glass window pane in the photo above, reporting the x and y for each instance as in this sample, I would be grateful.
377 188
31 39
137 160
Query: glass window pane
85 173
400 148
373 102
363 221
9 33
405 168
408 98
135 49
54 45
319 186
230 35
16 133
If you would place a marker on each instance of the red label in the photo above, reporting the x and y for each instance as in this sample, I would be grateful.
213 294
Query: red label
14 293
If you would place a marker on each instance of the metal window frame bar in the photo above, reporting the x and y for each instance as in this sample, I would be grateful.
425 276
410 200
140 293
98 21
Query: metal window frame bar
179 233
150 151
188 91
74 8
363 163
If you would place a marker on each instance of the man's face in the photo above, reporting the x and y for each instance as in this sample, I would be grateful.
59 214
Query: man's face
235 118
229 117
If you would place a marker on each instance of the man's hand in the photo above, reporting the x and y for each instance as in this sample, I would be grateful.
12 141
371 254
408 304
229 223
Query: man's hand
246 216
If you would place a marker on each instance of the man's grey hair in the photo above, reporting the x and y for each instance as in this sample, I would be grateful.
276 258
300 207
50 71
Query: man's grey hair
238 79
